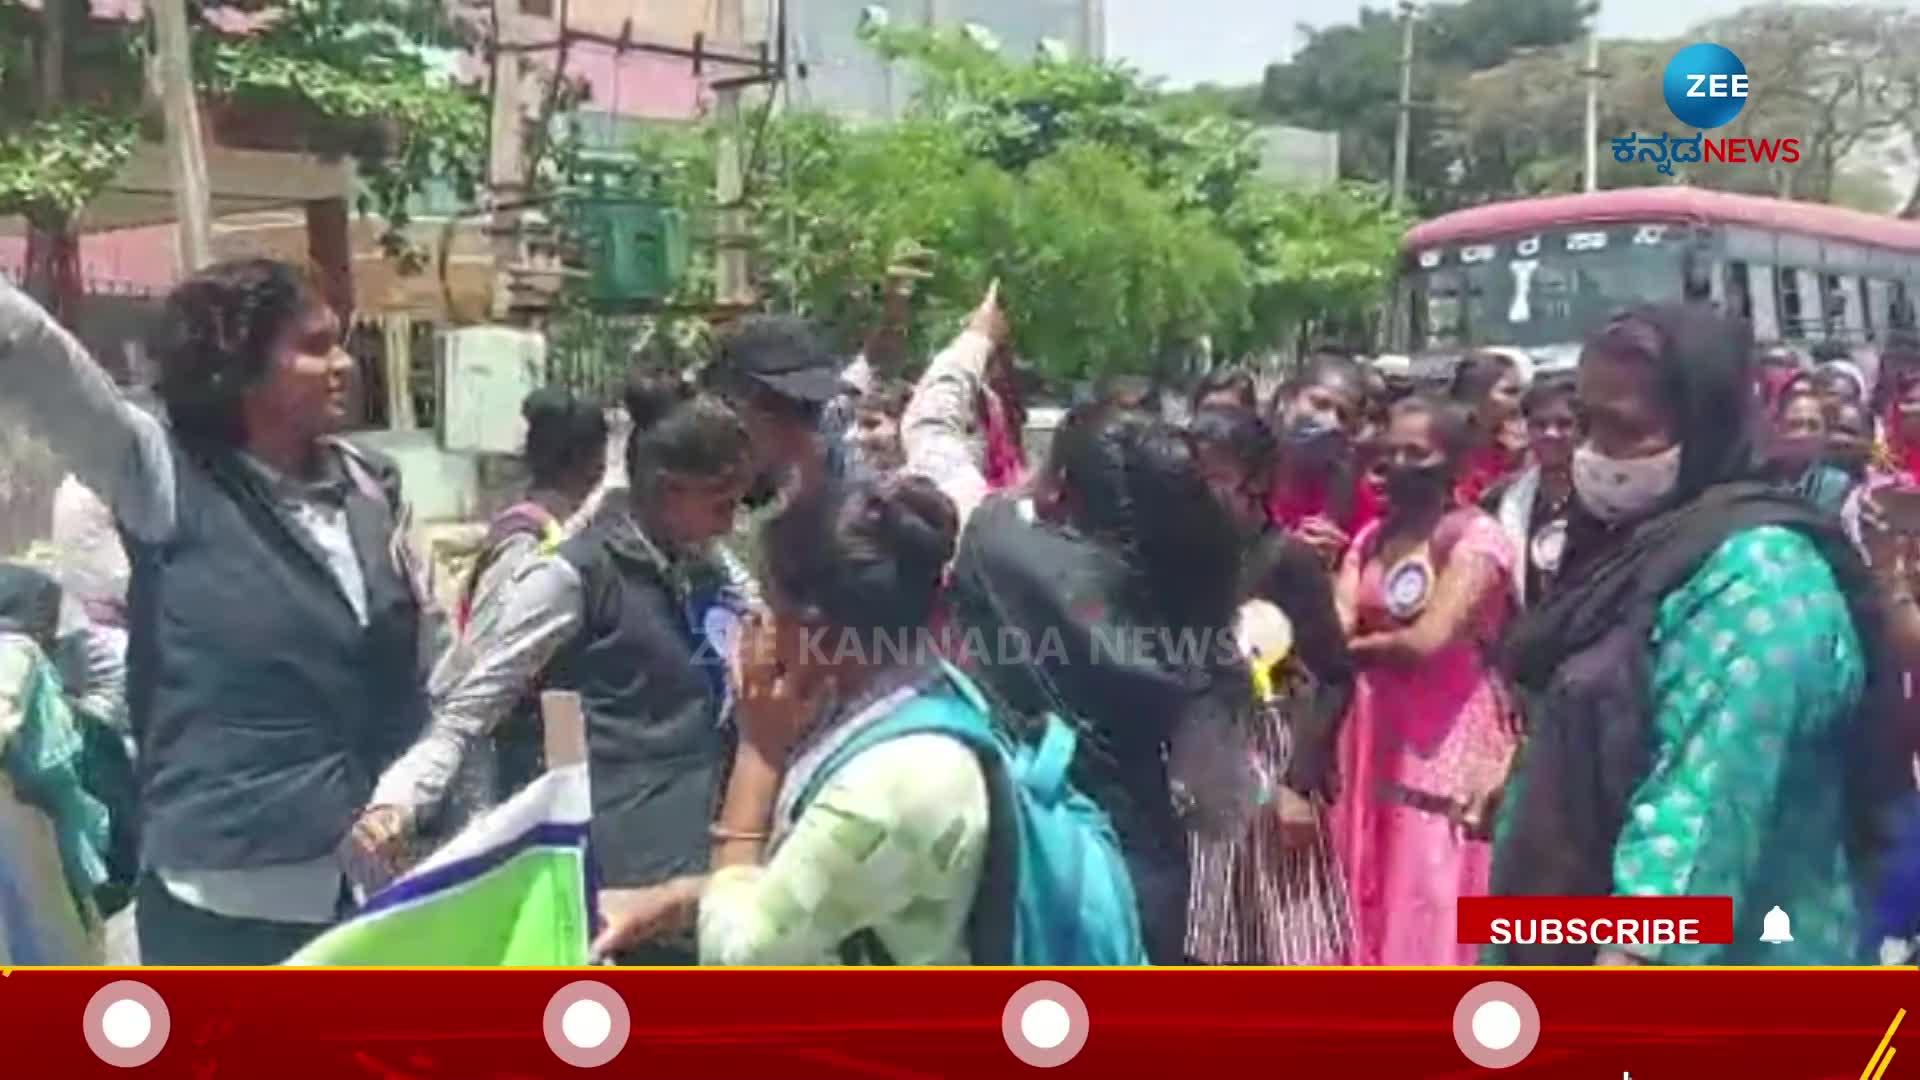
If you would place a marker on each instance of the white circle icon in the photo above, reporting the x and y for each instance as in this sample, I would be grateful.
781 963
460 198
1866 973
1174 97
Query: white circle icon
1496 1024
126 1023
586 1024
1045 1023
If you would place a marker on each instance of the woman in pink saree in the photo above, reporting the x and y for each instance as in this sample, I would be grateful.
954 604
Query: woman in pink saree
1428 739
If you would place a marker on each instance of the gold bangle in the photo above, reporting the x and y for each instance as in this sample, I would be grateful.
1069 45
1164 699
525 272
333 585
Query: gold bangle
722 833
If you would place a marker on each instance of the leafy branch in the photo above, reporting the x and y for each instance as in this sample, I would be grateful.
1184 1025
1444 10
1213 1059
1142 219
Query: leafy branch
51 168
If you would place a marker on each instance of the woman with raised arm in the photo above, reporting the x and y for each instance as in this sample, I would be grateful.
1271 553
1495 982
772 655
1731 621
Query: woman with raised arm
1104 590
275 620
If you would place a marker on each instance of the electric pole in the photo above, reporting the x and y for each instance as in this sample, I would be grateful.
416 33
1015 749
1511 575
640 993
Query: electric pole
1093 29
186 156
1403 132
1592 75
733 285
505 148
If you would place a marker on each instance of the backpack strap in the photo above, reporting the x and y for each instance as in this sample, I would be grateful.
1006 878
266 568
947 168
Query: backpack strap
990 925
946 707
1046 773
526 518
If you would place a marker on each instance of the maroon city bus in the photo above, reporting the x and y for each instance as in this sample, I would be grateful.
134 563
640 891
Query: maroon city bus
1539 274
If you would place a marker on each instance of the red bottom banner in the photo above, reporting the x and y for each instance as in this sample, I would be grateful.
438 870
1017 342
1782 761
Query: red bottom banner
1605 1024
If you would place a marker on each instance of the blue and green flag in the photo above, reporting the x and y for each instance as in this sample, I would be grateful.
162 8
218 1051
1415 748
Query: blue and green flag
510 890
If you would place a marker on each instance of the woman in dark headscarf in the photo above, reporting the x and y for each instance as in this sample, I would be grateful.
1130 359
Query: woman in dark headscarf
1704 686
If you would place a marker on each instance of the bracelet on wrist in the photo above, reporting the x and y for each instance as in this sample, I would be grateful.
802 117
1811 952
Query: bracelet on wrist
726 835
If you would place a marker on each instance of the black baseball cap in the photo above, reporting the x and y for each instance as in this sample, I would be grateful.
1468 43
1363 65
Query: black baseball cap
783 354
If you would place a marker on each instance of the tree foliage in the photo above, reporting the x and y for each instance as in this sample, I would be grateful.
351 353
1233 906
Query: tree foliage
358 66
1836 77
363 66
1125 228
1347 79
1500 106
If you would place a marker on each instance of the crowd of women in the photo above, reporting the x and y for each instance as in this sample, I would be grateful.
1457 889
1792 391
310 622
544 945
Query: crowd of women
1638 629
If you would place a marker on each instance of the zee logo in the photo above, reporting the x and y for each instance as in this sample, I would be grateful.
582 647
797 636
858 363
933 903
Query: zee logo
1706 86
1716 86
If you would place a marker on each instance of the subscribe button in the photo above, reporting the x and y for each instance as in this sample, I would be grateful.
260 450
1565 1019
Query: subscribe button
1596 920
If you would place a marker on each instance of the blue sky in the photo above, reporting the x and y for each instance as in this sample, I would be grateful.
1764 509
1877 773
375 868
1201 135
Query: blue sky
1232 41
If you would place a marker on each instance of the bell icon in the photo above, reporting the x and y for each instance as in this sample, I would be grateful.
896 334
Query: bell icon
1776 928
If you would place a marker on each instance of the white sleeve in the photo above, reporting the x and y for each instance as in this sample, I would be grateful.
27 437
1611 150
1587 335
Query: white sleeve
51 385
937 430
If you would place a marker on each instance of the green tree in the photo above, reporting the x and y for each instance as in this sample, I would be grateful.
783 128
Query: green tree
1347 79
1832 76
357 70
1124 226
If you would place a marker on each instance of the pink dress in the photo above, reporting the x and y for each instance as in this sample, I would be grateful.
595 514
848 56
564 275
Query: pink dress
1415 741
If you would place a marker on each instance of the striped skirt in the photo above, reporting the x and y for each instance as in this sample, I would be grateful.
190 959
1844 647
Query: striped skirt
1268 897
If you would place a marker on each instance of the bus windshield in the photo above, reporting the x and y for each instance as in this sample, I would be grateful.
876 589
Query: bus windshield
1546 288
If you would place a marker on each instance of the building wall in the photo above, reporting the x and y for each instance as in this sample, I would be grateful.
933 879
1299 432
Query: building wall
1300 157
842 75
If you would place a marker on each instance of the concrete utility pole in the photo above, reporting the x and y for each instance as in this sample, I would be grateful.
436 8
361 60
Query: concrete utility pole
1592 75
1403 133
734 287
506 141
1093 29
186 156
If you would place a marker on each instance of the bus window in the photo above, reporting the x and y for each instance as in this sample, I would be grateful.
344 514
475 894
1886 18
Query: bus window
1739 299
1900 306
1446 308
1792 308
1833 305
1696 276
1761 295
1851 316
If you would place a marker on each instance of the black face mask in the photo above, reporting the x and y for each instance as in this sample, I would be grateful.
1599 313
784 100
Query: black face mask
1416 486
1312 439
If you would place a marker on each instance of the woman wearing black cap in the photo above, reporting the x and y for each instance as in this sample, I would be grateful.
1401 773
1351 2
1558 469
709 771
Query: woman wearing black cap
1704 686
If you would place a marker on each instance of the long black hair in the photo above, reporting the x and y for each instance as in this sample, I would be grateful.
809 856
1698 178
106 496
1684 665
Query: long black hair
1320 368
565 433
1131 481
1237 381
1477 375
867 556
1239 432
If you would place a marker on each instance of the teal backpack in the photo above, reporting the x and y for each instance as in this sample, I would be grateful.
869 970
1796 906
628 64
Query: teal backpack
1055 890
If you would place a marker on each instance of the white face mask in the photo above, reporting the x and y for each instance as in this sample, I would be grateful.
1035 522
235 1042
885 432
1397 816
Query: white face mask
1620 489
